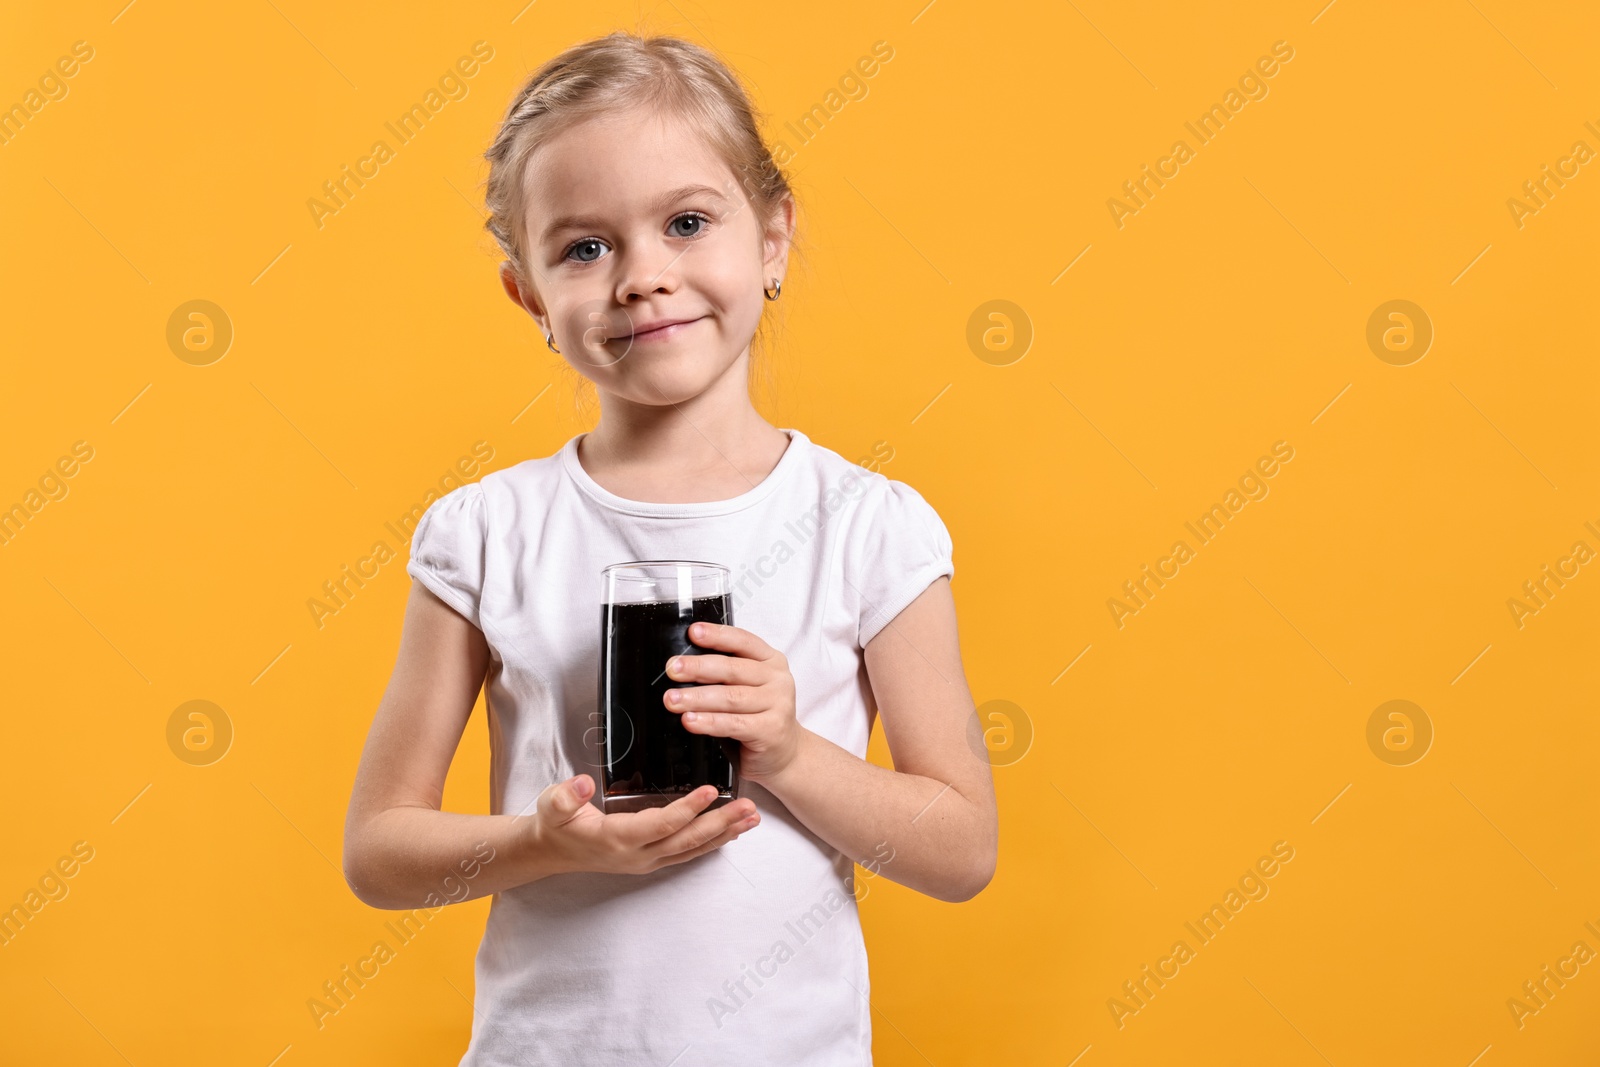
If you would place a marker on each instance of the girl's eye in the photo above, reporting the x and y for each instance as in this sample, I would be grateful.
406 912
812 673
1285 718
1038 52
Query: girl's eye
693 219
689 224
588 244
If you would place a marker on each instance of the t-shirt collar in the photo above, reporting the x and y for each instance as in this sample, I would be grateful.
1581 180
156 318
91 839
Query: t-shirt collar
791 458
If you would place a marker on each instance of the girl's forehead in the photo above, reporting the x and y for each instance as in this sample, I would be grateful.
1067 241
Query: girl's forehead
626 154
615 168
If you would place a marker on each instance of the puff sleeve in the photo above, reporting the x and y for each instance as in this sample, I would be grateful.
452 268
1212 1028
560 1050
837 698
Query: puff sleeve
447 549
896 549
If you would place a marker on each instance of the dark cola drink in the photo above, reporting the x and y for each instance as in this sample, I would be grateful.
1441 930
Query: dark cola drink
648 757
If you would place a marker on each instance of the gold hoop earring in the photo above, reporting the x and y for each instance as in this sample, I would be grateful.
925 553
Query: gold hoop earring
550 341
774 290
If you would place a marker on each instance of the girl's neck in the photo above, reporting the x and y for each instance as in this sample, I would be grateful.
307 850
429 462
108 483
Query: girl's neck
679 454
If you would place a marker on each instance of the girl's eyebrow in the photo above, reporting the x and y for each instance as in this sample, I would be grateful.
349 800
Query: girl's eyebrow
574 222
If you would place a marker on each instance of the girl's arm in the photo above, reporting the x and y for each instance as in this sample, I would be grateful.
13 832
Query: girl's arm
934 816
931 823
401 851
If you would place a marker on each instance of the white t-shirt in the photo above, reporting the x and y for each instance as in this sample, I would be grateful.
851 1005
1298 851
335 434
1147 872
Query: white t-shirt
752 953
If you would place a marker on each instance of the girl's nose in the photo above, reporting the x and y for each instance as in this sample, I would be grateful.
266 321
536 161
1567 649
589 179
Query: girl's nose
649 270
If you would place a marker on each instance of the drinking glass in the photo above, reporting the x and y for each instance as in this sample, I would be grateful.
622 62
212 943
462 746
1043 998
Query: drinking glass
649 758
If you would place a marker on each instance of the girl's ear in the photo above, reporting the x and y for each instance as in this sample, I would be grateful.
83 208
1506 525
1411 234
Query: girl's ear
779 235
521 295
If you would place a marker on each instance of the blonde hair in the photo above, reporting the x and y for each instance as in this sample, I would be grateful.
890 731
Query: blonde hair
618 71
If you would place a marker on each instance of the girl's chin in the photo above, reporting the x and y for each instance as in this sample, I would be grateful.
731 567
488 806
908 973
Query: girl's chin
660 386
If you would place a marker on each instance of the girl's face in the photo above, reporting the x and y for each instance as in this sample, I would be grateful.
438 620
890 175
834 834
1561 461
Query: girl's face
646 258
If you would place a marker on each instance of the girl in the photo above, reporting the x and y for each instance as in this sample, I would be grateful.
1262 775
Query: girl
645 227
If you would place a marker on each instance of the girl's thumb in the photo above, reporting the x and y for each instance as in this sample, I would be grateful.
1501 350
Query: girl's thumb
562 800
580 786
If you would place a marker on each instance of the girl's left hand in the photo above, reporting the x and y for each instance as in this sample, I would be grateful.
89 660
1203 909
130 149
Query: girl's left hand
747 696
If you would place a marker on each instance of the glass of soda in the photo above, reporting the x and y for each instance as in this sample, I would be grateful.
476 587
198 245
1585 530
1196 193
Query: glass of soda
649 758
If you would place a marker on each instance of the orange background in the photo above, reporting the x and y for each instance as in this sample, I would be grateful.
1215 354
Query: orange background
1228 313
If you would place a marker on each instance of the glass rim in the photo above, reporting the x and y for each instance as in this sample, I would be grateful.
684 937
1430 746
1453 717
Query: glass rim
610 570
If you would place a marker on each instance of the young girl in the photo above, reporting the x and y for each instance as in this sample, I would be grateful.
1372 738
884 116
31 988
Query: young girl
645 227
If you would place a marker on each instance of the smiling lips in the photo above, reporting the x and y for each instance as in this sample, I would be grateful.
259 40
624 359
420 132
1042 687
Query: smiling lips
660 330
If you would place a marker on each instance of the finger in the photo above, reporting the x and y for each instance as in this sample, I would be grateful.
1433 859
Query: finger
732 698
654 824
736 726
732 832
709 667
732 639
561 801
708 831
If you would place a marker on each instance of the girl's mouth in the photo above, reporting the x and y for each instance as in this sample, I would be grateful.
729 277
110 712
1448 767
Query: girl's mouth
661 333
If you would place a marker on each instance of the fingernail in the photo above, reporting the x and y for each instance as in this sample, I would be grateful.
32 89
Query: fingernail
673 696
676 664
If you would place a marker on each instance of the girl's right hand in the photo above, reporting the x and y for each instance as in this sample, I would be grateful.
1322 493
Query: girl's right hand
575 836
